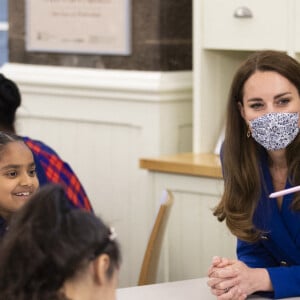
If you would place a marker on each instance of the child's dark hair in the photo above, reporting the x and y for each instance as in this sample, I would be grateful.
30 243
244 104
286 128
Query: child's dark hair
10 100
47 243
8 137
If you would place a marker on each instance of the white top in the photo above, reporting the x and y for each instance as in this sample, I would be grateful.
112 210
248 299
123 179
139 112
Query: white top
193 289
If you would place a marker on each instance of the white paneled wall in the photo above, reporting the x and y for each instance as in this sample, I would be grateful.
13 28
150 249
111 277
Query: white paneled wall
102 122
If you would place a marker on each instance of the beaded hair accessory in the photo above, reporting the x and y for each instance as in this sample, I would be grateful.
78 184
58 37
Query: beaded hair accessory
112 234
111 237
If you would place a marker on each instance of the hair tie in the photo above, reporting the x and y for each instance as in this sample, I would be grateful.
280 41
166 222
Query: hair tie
112 235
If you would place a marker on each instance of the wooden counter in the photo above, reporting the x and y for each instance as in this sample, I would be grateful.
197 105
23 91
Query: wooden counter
204 164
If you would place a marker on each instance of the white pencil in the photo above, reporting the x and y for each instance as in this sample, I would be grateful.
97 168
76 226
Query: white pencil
285 192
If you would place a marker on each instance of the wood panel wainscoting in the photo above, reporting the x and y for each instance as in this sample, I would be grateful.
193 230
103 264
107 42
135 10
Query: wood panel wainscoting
102 122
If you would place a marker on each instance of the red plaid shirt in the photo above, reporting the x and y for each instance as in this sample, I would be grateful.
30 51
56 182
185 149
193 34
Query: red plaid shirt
51 168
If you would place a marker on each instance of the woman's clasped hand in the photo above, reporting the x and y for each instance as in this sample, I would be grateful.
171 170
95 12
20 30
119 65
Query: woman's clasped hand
232 279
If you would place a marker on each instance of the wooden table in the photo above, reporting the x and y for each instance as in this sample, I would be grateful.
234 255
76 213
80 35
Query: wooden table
193 289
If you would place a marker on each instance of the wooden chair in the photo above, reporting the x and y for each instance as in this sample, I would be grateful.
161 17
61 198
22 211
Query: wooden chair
152 254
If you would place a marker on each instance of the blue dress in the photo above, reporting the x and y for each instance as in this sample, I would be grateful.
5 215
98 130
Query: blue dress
278 249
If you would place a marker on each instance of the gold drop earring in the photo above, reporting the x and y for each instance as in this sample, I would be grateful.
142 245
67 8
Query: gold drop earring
248 132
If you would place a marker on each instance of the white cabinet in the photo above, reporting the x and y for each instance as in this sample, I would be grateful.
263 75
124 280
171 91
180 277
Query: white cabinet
222 41
296 28
245 25
193 234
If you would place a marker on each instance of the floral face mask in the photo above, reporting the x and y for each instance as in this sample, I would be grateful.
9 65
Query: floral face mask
274 131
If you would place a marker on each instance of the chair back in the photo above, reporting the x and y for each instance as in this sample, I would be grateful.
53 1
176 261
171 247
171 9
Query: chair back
152 254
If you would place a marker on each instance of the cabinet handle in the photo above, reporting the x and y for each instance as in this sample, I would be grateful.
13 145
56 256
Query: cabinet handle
243 12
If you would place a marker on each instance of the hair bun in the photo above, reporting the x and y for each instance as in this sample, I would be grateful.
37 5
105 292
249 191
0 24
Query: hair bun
10 97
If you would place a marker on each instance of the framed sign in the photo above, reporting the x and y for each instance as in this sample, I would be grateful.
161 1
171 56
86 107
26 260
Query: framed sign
79 26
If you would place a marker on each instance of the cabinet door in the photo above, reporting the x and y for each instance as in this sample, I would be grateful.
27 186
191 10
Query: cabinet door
297 26
245 25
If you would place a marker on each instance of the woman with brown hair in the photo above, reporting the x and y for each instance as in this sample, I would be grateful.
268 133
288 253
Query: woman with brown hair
261 155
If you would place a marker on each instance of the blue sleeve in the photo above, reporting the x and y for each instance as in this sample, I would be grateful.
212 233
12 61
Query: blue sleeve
254 255
285 279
